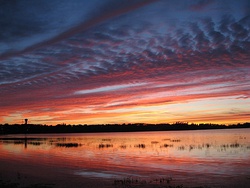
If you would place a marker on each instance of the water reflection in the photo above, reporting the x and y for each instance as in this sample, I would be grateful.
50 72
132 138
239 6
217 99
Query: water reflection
161 145
183 154
89 142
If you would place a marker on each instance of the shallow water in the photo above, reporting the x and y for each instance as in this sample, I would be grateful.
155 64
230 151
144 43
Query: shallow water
211 158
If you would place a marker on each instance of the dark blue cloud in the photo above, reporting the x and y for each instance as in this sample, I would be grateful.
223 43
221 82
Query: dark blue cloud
25 24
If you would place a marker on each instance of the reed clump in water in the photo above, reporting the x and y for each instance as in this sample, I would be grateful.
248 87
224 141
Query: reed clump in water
68 145
162 182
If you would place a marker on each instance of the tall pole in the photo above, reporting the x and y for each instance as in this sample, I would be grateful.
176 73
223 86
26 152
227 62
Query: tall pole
26 130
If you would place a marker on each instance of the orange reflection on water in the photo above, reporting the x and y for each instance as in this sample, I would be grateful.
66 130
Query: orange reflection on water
184 154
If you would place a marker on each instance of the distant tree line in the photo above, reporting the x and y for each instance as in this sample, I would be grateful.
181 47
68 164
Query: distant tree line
135 127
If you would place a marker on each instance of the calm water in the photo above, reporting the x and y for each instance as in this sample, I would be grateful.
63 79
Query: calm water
214 158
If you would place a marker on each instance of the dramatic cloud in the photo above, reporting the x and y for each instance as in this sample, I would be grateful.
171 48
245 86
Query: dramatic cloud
120 61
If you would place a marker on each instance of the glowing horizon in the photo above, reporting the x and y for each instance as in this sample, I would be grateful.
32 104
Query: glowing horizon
125 62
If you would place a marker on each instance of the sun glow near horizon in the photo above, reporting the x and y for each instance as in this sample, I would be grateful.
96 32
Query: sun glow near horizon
220 111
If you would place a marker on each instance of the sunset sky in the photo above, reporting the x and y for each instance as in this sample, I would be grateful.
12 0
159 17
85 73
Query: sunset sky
122 61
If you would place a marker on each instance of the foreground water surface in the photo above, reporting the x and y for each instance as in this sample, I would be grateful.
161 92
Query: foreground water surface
212 158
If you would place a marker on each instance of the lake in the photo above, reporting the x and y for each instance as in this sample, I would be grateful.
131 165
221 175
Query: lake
208 158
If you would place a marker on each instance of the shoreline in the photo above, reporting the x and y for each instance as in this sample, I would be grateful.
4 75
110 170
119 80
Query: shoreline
43 129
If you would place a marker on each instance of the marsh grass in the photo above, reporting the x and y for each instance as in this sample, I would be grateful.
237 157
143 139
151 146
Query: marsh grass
134 182
9 184
129 182
105 146
167 145
19 177
68 145
140 146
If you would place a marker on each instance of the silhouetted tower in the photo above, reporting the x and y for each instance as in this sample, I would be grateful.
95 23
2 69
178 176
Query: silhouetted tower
26 127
